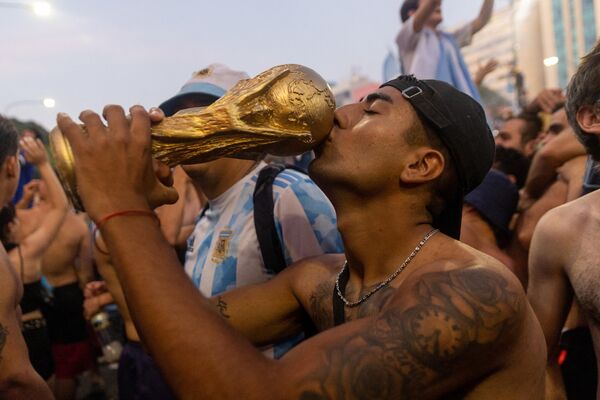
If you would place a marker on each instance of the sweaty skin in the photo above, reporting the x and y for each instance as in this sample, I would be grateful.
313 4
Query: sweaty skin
18 379
477 233
566 187
563 263
68 259
455 323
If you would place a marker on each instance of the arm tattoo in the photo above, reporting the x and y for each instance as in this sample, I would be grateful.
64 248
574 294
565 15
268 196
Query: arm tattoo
456 315
321 308
222 307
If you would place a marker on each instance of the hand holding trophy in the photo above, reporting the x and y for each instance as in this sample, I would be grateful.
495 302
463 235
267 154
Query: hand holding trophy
285 110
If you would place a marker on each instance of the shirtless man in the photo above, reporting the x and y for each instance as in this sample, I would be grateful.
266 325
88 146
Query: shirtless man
456 323
25 251
18 379
564 250
67 265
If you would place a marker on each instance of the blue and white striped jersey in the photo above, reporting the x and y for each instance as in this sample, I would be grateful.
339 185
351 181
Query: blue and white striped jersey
223 251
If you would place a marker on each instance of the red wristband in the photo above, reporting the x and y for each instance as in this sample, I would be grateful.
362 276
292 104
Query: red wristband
106 218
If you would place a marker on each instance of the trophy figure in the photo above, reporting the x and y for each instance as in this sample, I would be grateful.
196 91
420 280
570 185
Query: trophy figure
283 111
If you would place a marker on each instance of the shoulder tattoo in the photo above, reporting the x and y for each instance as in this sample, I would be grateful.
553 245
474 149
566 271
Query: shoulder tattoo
452 315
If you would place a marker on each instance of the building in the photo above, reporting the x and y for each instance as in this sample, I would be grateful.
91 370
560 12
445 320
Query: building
570 29
543 39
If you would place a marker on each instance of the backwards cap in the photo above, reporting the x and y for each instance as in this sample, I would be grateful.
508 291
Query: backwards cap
460 123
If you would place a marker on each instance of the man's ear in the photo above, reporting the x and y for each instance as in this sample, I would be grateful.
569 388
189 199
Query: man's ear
423 165
588 120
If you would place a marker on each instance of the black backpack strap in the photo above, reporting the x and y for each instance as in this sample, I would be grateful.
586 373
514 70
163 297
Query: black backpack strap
204 210
339 316
264 219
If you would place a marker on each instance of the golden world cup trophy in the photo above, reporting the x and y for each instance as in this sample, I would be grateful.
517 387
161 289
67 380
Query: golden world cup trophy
283 111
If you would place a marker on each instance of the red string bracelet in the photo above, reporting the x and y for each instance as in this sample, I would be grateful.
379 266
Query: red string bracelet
102 221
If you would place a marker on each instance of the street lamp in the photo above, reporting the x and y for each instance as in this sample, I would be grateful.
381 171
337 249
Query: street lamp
47 102
42 8
550 61
39 8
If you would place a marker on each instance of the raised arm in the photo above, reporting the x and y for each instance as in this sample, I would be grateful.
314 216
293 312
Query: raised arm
548 159
484 16
30 189
37 242
426 8
18 379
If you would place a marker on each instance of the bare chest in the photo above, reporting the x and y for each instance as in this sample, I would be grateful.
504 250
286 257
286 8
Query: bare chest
584 274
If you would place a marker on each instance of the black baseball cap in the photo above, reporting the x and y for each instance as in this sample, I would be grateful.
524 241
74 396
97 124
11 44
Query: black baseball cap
460 123
496 201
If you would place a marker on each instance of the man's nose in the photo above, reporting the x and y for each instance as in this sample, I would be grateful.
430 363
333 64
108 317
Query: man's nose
342 117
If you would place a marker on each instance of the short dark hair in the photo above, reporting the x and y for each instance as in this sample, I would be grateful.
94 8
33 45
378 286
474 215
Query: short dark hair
7 215
512 162
9 139
407 7
584 90
533 126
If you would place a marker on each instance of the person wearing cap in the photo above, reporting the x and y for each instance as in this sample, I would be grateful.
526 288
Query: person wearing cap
406 312
431 53
487 214
563 261
223 250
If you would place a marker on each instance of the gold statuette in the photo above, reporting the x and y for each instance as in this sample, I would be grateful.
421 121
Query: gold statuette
285 110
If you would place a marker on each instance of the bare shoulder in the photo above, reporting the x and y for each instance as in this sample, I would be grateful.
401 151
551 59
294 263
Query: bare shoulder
575 164
449 328
566 222
317 266
307 273
480 283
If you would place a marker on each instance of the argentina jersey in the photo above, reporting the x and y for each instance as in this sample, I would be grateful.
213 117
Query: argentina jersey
223 251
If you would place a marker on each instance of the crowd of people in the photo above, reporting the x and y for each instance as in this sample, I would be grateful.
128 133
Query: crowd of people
426 252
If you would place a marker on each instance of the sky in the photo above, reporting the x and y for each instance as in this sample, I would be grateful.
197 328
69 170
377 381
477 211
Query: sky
90 53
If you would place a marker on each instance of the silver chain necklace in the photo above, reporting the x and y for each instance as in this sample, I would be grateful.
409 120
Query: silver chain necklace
388 280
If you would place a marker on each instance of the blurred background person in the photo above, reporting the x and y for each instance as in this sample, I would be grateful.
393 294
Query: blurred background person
67 266
25 252
430 53
18 378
